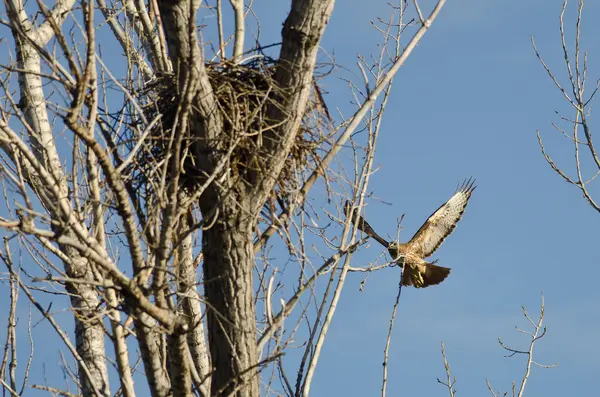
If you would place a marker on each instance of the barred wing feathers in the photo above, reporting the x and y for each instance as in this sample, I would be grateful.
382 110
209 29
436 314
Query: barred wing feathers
442 222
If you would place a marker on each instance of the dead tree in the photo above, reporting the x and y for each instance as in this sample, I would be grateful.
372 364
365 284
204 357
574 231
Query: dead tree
574 125
148 191
536 333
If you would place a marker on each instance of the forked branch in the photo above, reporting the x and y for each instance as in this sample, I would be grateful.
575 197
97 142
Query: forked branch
574 93
538 332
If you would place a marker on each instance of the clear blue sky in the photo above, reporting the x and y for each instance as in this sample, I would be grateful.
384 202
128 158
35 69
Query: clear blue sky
467 103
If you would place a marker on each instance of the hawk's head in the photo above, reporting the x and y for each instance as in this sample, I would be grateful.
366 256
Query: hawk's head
396 251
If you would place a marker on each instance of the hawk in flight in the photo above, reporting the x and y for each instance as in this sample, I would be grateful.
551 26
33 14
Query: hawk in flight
411 256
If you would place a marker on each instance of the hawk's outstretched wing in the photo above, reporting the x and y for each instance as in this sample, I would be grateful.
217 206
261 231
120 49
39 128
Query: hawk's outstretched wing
363 225
441 223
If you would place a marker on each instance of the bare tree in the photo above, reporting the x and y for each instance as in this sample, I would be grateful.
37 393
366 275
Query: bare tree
112 174
450 381
575 126
537 332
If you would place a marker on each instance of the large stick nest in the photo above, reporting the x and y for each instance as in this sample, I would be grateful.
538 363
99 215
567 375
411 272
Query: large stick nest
244 93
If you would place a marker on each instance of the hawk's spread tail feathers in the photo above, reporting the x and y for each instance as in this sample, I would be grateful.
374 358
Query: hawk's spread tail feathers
433 274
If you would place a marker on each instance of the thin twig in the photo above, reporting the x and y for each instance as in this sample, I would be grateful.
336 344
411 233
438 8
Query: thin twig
389 338
450 381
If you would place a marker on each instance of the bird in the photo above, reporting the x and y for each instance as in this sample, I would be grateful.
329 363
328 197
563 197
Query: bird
411 255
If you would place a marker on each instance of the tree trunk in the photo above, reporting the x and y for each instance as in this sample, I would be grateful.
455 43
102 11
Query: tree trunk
228 265
89 332
188 300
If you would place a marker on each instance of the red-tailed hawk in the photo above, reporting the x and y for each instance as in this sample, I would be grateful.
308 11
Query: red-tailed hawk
411 256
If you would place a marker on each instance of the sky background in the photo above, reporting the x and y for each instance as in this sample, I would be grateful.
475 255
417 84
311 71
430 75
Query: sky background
467 103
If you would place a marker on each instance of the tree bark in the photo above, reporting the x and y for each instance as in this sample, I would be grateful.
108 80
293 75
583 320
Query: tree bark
89 332
188 300
228 264
301 34
149 339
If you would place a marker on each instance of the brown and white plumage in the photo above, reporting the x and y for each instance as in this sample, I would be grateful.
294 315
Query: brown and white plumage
442 222
411 256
